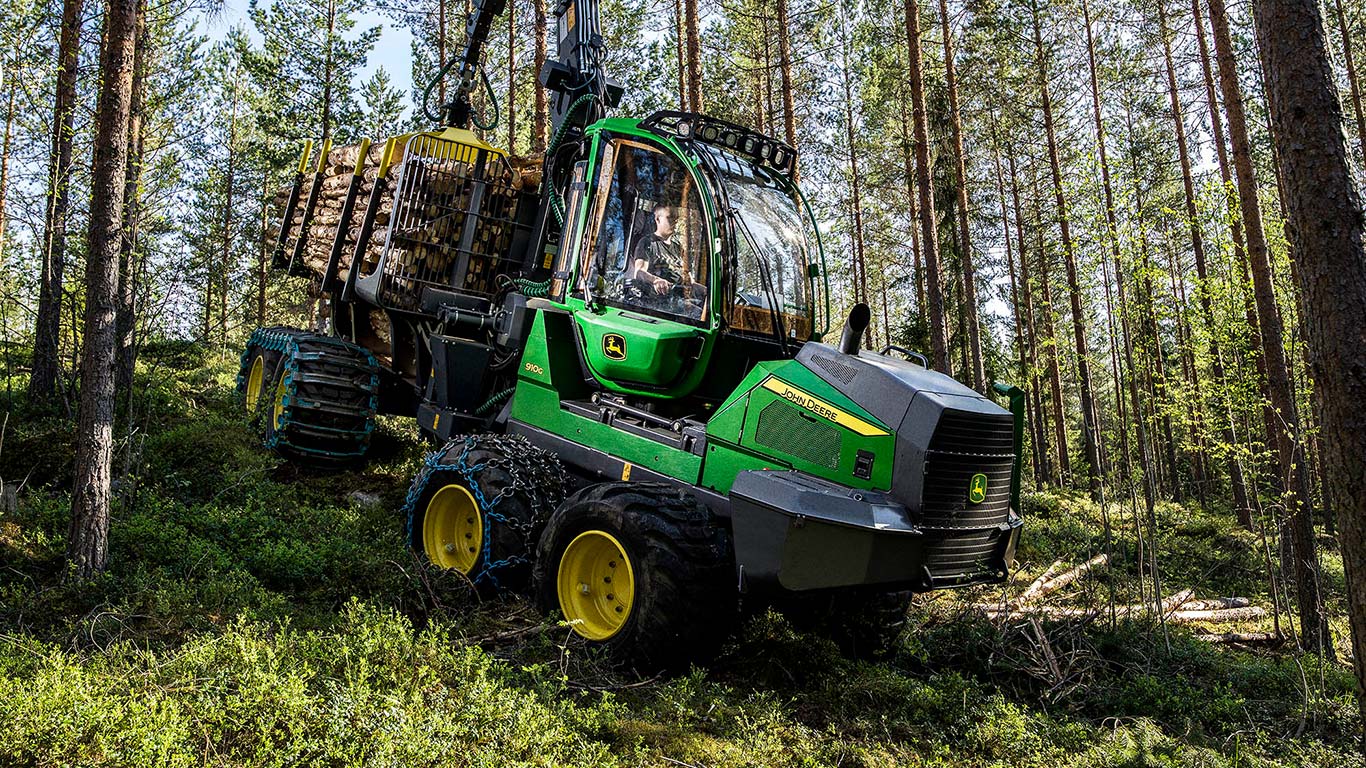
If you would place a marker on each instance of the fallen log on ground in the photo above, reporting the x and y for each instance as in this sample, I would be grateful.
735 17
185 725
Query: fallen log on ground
1243 638
1169 605
1218 616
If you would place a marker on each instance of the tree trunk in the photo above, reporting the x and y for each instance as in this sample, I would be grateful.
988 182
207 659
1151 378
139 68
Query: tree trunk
1064 457
227 262
262 255
929 240
4 162
1324 224
855 184
88 540
1313 624
1043 471
538 121
694 55
48 324
1090 435
908 161
126 317
1111 235
1355 88
785 72
512 76
976 372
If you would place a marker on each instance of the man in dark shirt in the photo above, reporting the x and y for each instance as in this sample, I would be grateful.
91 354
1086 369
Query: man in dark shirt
658 257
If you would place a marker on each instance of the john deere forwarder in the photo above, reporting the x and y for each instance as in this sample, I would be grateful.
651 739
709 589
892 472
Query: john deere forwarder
624 364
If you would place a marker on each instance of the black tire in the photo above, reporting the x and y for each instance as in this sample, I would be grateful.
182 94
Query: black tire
515 486
319 406
863 624
685 599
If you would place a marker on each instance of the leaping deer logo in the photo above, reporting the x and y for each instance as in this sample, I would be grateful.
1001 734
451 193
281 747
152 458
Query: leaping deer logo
977 488
614 346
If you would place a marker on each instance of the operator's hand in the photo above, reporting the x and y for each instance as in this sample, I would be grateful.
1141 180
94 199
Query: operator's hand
661 286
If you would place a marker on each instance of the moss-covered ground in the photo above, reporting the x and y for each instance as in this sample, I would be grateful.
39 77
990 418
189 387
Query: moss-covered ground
257 615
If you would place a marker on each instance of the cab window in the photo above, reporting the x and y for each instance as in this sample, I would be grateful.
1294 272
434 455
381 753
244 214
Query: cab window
647 247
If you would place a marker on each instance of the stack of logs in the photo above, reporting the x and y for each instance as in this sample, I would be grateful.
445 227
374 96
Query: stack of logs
432 214
1179 608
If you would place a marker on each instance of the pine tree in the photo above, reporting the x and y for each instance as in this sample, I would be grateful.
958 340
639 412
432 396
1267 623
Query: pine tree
384 107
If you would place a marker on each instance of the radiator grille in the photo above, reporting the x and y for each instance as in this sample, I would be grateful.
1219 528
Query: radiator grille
964 445
964 554
785 429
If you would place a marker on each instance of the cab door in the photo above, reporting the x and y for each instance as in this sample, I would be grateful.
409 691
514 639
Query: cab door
643 283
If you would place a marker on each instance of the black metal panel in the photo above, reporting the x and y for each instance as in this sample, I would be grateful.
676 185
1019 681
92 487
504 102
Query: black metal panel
459 369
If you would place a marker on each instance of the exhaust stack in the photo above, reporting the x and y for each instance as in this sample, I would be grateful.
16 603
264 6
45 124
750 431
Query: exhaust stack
854 327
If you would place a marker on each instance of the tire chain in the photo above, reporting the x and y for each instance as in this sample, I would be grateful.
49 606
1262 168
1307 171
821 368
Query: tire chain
290 344
535 473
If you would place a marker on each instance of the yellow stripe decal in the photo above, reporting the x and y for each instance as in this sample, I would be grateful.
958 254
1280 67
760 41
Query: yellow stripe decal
821 408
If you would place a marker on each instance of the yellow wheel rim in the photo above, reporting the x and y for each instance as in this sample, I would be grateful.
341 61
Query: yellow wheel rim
452 529
254 381
281 394
596 585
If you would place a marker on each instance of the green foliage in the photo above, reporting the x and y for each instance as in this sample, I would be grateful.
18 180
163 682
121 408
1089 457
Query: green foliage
255 615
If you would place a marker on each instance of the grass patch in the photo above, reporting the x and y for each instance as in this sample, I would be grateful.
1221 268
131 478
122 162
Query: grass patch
257 615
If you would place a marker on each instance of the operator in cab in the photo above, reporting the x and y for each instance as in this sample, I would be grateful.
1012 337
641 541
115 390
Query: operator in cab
659 270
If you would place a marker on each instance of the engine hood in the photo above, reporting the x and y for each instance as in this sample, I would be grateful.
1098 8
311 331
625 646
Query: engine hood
941 427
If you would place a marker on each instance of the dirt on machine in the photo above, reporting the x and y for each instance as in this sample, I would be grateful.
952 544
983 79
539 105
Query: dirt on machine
624 349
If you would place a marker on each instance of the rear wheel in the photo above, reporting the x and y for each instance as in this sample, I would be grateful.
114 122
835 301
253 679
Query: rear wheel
640 569
317 395
478 505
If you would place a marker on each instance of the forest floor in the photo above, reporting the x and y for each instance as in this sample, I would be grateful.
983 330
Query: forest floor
257 615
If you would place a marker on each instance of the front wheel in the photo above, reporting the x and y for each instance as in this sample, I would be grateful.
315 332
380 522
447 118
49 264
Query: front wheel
640 569
477 505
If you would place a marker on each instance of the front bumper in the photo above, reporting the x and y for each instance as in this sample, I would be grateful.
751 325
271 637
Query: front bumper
796 532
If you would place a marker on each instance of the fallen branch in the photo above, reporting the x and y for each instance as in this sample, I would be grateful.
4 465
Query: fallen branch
1063 579
1216 603
1169 605
1218 616
1244 638
1033 589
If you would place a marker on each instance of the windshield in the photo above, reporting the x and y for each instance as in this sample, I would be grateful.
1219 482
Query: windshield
648 250
775 243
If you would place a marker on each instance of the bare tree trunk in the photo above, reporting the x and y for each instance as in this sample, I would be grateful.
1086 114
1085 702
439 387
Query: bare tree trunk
512 76
4 160
785 73
1324 222
694 55
1112 237
1064 457
681 63
538 121
1350 61
227 261
908 160
976 373
126 317
48 324
1090 435
262 257
855 183
929 239
88 540
1313 624
1043 471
